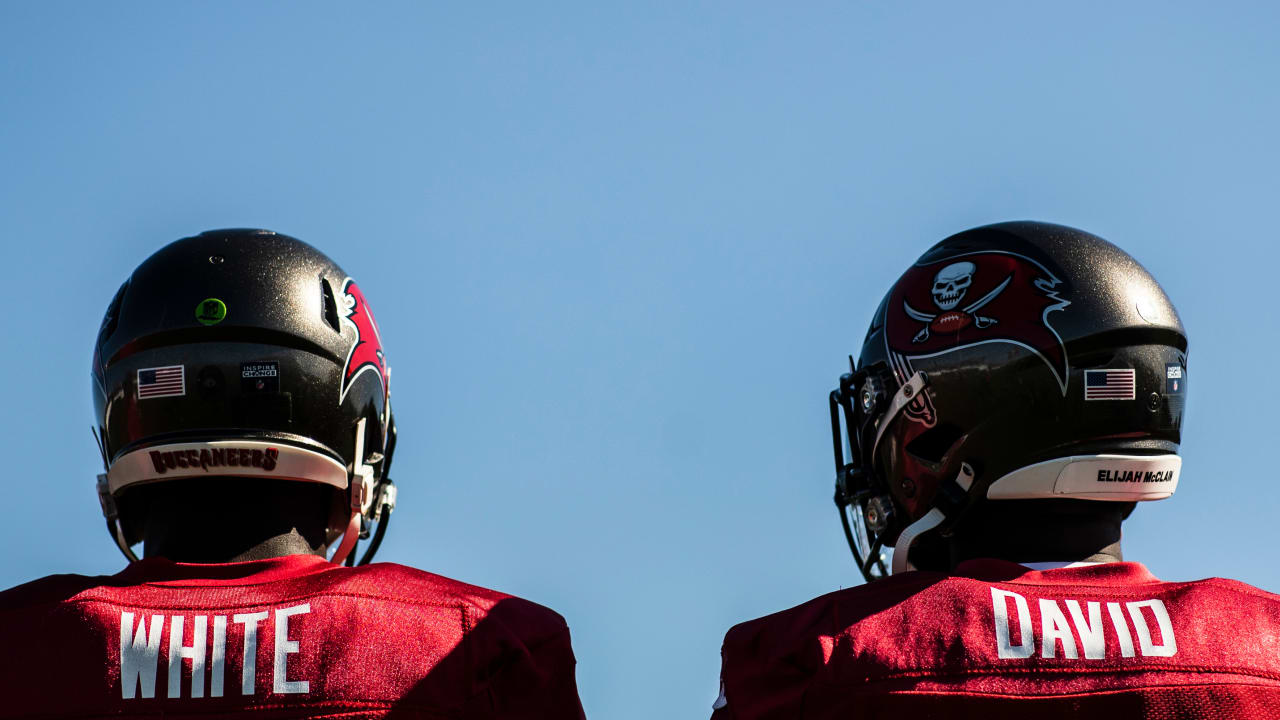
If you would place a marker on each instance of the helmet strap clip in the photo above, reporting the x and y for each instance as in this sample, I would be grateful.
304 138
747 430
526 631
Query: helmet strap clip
361 486
932 519
112 513
906 395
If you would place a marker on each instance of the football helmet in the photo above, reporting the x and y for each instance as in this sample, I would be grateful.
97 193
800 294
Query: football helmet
244 353
1012 361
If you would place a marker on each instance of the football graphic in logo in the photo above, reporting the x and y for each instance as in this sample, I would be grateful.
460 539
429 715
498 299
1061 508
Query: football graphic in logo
366 353
971 299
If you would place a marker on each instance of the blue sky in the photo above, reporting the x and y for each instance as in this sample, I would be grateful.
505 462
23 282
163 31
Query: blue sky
618 254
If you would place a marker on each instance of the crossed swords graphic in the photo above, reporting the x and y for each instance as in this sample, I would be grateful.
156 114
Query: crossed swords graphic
981 322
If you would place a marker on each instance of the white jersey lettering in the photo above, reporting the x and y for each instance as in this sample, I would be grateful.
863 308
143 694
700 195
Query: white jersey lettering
218 661
1122 629
194 652
249 668
1004 644
139 654
285 646
1086 625
1054 630
1168 645
1090 631
189 639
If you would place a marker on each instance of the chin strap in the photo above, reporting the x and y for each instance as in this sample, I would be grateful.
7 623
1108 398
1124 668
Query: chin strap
348 539
931 520
361 490
112 514
902 548
108 503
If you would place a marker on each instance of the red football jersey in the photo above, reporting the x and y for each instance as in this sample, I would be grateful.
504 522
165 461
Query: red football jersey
997 640
282 638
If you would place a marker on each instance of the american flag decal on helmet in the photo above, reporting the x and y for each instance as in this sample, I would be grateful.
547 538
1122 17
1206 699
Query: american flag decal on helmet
1110 384
157 382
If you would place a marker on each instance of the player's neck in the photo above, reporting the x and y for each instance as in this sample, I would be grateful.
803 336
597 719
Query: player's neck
190 549
1032 531
234 520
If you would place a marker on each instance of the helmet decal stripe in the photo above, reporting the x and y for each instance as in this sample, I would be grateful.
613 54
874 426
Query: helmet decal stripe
366 352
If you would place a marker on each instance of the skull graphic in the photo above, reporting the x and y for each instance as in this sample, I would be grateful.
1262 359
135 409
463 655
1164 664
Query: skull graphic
951 283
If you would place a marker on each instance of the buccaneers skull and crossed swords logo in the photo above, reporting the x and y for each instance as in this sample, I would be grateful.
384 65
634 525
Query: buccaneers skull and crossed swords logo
950 286
977 297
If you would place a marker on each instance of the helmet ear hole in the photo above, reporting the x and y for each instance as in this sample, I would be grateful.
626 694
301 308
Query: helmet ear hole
932 445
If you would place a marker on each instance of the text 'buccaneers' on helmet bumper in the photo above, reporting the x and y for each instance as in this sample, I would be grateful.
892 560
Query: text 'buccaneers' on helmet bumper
241 353
1011 361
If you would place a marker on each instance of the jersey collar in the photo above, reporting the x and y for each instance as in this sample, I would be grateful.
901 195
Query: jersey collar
991 569
253 572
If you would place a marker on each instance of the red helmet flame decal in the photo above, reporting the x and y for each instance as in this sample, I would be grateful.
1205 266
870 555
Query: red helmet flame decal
976 298
366 353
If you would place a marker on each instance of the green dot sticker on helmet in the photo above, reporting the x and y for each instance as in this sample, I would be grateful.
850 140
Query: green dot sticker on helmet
211 311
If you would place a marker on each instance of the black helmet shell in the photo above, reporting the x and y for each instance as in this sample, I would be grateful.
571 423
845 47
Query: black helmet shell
238 340
1031 343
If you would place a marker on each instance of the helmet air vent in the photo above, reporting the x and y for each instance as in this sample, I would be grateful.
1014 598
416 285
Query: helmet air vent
329 306
112 318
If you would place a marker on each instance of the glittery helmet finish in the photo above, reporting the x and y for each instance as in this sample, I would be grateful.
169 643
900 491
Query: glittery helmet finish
1012 361
243 353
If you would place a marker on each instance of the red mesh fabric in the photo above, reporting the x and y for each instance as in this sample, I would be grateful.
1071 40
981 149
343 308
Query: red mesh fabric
377 641
1109 639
